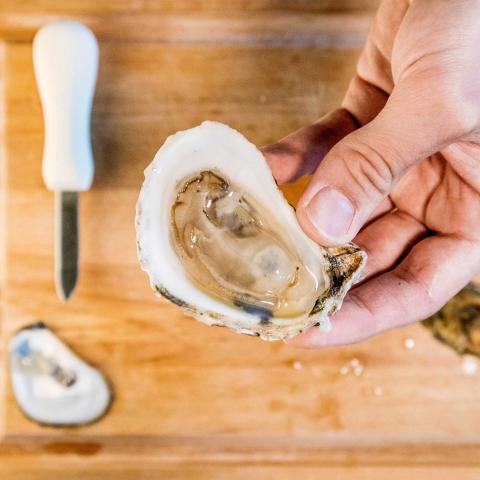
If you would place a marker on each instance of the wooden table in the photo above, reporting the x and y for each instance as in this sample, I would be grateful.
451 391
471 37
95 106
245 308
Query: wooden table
191 401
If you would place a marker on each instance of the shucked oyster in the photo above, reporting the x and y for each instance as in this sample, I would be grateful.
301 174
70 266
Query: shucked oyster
217 237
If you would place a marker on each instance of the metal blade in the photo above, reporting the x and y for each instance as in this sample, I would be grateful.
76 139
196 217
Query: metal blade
66 243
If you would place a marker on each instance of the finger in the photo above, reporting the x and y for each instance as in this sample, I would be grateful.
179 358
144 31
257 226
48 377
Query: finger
364 100
414 290
362 169
373 83
388 239
386 206
300 152
370 89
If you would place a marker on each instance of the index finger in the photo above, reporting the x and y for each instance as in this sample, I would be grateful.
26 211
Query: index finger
300 152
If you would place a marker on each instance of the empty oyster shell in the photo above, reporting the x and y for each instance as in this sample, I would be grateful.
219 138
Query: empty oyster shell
217 237
51 384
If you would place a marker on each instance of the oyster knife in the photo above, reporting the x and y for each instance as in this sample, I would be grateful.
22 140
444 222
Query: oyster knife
65 59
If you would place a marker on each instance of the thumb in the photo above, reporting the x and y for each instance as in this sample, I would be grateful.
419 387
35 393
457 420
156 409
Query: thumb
363 168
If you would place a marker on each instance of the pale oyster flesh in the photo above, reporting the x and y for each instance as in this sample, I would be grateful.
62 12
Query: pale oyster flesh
233 252
217 237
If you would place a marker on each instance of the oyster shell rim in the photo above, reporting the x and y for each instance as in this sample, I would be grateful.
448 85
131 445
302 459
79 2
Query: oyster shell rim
319 316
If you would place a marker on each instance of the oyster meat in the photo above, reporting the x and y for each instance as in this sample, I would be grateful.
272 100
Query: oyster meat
217 237
51 384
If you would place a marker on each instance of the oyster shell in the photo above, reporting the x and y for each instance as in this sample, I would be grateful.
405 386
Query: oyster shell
51 384
217 237
457 323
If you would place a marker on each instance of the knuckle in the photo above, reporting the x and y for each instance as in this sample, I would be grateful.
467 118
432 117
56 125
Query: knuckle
369 169
360 303
461 115
453 102
412 275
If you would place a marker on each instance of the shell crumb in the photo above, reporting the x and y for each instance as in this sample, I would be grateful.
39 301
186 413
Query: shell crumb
358 370
409 343
378 391
325 325
355 362
354 366
469 365
297 365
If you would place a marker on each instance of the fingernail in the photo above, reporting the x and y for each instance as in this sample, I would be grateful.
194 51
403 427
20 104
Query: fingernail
330 212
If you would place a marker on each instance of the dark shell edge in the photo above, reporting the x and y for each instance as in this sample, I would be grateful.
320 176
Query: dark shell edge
345 265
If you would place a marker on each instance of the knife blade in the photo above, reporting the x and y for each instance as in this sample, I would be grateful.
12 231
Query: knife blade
65 58
66 243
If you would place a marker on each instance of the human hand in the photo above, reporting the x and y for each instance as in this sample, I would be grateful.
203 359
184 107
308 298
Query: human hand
405 186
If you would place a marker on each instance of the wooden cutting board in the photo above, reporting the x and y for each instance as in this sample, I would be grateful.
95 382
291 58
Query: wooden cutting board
193 401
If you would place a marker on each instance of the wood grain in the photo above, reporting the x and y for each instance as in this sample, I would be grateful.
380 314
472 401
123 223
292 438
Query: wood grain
276 28
191 401
79 7
174 457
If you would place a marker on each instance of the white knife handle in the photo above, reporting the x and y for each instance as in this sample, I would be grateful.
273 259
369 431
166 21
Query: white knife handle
65 58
